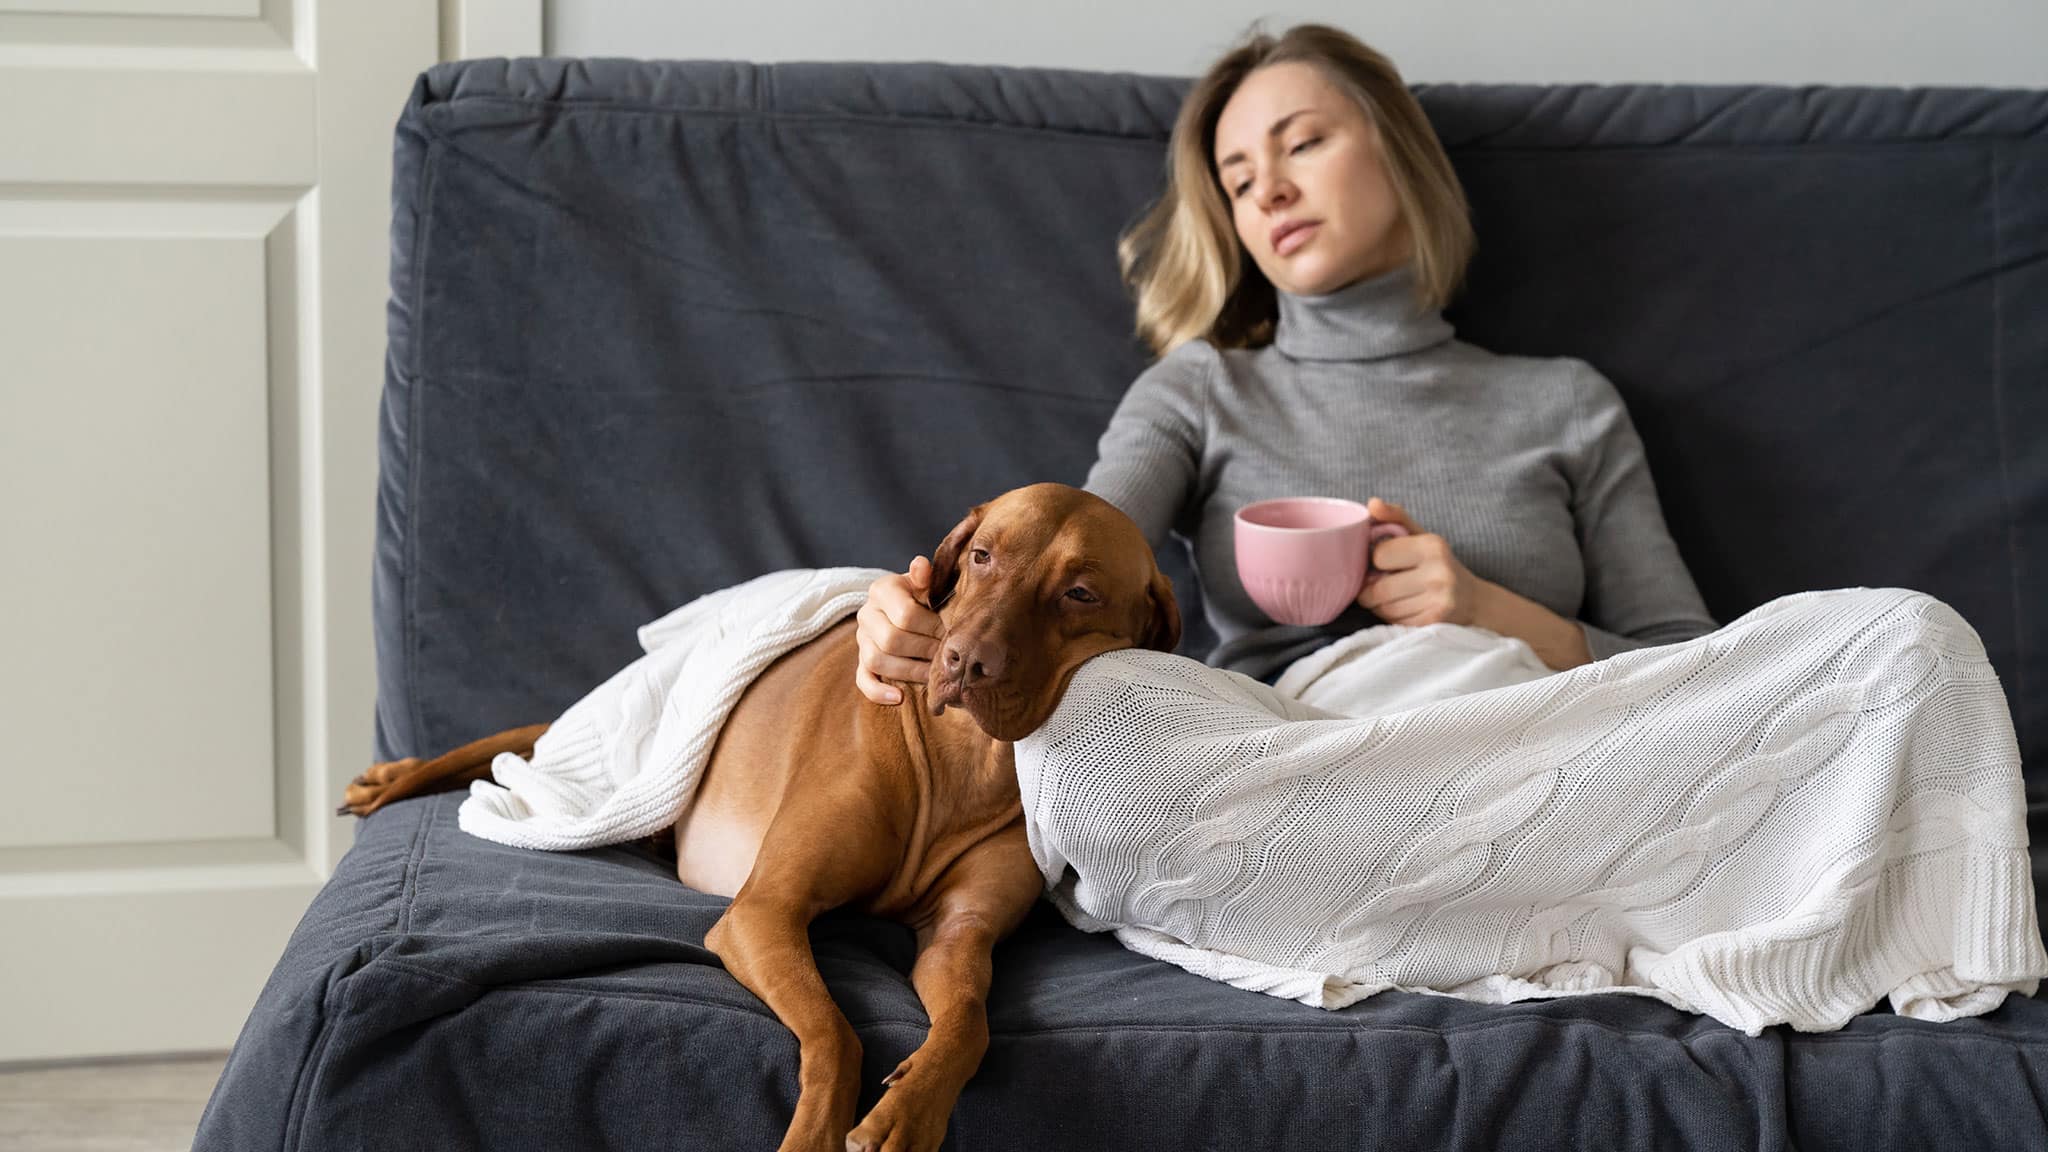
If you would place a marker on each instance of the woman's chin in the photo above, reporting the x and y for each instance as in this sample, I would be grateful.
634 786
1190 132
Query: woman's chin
1312 272
1309 276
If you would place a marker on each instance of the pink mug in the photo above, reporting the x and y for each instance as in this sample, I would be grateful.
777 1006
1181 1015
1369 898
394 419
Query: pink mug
1303 559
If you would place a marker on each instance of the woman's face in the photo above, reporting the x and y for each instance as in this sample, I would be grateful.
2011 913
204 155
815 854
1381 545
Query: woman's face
1300 165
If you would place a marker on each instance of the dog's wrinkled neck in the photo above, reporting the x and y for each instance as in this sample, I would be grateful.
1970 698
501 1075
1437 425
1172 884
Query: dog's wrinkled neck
968 768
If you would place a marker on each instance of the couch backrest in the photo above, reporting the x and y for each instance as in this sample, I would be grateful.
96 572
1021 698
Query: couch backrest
660 327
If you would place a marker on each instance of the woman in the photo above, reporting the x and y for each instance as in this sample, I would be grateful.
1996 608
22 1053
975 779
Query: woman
1780 821
1292 277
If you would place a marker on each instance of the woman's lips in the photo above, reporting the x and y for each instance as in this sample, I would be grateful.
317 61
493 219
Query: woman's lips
1293 236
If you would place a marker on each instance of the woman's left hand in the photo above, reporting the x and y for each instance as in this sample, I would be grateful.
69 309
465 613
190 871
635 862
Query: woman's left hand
1415 579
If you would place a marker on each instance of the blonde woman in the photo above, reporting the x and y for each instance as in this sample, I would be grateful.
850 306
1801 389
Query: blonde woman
1780 821
1292 278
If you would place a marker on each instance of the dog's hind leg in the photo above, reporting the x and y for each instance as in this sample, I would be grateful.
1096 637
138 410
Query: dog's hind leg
398 779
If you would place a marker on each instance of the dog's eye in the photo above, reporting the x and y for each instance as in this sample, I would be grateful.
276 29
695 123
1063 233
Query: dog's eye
979 555
1082 594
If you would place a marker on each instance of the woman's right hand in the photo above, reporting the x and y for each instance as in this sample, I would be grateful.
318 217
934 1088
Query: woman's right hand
898 634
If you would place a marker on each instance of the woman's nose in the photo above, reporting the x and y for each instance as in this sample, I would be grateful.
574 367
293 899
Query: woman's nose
1276 194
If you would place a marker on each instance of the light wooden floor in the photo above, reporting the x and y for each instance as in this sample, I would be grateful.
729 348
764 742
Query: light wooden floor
145 1106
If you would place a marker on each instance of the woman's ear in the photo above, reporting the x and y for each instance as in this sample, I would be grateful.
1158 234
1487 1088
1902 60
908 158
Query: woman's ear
1163 634
946 558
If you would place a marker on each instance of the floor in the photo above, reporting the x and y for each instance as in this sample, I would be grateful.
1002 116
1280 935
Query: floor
114 1106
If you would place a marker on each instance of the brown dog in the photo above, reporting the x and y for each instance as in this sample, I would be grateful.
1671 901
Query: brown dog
816 798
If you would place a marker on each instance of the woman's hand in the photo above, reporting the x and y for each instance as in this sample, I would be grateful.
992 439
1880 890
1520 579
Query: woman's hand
1415 579
898 635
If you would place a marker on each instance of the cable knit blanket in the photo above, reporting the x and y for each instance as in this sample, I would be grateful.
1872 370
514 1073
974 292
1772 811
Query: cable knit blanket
1812 808
624 761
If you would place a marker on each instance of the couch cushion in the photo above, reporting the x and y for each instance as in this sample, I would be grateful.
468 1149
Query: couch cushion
448 992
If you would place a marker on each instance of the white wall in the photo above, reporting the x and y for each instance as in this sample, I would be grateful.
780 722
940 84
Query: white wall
1902 42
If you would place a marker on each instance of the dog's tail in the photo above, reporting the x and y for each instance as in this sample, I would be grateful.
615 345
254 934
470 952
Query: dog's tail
399 779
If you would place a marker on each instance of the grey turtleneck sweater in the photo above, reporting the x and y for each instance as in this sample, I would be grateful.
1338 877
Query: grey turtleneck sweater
1528 468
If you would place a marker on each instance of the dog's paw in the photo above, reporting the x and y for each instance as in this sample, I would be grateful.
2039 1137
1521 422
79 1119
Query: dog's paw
374 788
910 1116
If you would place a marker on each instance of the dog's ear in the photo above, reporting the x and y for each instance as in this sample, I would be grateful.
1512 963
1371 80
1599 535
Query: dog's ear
946 558
1163 634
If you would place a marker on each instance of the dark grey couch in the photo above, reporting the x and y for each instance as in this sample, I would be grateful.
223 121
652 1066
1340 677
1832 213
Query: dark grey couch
656 328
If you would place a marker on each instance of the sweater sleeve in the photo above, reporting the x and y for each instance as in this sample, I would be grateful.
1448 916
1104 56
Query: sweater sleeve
1149 459
1638 590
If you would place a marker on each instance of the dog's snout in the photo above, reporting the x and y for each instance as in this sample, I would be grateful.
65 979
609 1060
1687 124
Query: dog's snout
974 660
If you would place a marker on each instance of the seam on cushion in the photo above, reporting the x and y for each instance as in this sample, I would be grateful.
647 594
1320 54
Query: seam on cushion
1264 1031
1685 1041
570 990
942 123
906 378
316 1052
2012 547
1789 148
295 1112
412 851
422 237
443 977
1805 147
961 381
409 885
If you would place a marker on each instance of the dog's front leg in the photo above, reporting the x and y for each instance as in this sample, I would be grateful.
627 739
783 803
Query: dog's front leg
984 895
764 940
766 946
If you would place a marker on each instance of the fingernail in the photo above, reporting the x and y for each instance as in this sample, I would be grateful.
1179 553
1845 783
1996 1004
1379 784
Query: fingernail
893 697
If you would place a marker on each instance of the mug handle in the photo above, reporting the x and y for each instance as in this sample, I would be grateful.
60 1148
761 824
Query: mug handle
1374 533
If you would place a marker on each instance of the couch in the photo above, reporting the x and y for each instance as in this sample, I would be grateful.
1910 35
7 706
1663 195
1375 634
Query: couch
659 327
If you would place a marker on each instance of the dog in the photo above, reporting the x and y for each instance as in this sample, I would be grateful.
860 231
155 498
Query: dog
816 798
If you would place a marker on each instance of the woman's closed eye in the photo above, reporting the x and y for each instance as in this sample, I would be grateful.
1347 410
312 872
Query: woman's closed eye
1243 186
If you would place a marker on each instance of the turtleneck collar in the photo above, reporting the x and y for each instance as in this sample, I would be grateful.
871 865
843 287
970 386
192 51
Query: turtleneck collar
1368 319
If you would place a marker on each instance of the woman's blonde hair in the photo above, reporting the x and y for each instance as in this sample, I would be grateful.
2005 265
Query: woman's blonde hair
1182 259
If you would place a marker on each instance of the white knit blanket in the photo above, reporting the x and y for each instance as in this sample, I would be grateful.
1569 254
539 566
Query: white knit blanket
624 761
1812 808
